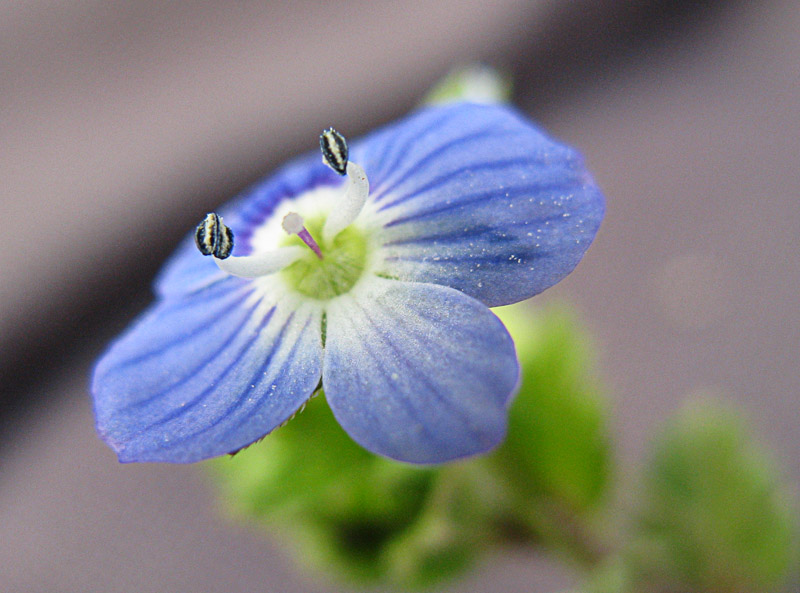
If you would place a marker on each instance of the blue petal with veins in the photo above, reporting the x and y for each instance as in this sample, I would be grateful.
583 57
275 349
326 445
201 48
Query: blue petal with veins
478 199
206 374
418 372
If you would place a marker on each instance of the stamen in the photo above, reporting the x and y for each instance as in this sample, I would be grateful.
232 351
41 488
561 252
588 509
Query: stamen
334 150
293 225
261 264
335 154
350 205
214 238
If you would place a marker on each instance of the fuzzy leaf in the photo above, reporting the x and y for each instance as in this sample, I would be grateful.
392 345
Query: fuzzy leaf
558 442
715 516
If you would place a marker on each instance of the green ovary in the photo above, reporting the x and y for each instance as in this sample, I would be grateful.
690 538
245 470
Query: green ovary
343 263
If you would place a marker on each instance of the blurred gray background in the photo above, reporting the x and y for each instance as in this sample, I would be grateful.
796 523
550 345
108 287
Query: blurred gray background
121 123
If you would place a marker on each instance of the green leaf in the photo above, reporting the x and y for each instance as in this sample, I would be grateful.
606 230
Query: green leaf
291 468
449 535
475 82
558 444
377 521
347 511
714 515
555 463
611 576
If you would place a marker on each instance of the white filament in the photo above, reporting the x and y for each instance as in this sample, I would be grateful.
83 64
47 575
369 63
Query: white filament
350 205
261 264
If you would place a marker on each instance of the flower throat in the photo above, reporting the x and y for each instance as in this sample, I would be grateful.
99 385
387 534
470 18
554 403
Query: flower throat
321 258
342 262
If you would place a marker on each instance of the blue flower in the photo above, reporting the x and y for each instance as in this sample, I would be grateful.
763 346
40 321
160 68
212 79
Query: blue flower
453 210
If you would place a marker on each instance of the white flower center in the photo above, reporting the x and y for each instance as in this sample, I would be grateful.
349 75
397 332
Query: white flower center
339 258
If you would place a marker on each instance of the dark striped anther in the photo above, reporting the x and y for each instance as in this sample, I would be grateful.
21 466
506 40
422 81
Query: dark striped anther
213 237
334 150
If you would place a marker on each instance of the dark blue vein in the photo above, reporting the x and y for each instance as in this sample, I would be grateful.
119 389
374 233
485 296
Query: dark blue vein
515 193
458 235
236 360
501 259
188 374
265 393
238 402
226 309
413 137
395 322
412 411
487 234
424 162
454 173
474 334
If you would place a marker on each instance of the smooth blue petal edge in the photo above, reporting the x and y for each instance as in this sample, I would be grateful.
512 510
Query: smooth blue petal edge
477 198
418 372
206 374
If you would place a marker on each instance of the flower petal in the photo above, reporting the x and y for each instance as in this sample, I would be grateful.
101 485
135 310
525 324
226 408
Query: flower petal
418 372
207 374
476 198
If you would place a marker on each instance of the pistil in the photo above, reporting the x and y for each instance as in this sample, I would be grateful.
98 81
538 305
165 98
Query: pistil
293 225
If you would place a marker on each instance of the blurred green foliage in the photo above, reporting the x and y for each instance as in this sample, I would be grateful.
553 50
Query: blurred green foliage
379 521
556 459
714 515
711 515
472 82
371 519
341 504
